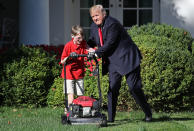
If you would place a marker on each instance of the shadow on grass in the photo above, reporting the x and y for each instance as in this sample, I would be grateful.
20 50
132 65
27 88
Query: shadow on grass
160 119
120 122
166 118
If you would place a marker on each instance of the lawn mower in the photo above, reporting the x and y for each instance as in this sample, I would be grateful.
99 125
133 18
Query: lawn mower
84 109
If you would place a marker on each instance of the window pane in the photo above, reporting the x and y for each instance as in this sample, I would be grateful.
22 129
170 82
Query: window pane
107 12
129 18
145 16
85 19
145 3
86 3
130 3
86 34
104 3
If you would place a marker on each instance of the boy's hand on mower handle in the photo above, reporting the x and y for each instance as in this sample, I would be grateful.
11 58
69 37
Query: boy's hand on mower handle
73 55
91 55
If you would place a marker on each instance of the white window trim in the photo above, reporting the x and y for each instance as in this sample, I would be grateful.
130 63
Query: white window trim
155 11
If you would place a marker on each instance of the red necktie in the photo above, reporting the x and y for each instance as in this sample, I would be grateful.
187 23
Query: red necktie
100 35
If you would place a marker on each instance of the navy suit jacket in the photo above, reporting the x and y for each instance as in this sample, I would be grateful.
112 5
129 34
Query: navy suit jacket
118 50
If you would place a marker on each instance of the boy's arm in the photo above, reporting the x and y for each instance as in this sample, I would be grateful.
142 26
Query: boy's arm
63 61
64 55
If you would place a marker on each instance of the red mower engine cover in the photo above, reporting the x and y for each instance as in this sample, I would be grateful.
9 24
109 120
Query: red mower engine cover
84 101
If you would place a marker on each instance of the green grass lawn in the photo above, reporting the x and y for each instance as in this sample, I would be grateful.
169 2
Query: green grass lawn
49 119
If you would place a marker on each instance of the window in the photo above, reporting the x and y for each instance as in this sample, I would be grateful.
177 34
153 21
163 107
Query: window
128 12
137 12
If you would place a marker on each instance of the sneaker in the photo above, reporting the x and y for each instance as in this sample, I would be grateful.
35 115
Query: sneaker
148 119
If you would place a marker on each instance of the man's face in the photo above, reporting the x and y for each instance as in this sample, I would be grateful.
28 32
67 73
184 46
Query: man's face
97 16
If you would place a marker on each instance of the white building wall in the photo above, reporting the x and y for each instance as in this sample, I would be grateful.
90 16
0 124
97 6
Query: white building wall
34 22
57 16
178 13
62 14
72 17
49 21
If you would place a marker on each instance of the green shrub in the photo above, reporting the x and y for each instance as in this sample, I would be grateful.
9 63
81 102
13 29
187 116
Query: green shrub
125 99
167 77
177 35
56 96
167 70
167 66
192 48
26 76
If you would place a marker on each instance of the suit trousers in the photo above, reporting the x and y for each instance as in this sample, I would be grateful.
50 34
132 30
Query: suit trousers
133 80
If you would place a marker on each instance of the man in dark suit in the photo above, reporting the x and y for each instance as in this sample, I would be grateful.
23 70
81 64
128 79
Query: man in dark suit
120 56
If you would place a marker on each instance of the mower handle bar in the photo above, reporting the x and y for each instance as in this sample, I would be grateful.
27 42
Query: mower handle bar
85 55
82 55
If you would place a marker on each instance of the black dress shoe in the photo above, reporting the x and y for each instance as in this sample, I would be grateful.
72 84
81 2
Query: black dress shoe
110 121
148 118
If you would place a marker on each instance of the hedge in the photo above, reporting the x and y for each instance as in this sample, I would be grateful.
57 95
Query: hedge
26 74
166 70
30 76
167 66
177 35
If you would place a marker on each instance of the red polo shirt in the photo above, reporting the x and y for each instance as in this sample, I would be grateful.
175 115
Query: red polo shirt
75 66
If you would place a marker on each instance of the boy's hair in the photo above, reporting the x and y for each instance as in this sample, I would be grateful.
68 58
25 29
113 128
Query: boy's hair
77 29
98 7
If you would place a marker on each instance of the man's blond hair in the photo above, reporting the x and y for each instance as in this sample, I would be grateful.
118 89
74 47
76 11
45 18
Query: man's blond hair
97 7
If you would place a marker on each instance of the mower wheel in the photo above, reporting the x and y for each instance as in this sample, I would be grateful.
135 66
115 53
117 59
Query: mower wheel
103 122
64 119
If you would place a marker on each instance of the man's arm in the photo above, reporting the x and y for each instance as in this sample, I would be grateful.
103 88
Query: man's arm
113 32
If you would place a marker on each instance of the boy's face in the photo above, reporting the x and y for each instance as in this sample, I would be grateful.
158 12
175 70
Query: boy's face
78 39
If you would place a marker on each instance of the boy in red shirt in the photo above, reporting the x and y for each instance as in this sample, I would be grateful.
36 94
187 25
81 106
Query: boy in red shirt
75 66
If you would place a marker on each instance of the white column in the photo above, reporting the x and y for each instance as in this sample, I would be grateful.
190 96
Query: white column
34 22
56 25
72 17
